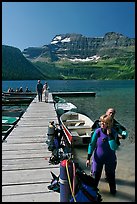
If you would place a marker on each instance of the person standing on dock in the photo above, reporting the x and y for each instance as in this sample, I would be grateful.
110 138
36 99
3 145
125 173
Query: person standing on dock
120 129
103 146
27 90
39 90
46 91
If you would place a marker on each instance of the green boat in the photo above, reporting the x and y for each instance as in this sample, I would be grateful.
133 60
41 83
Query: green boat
59 100
15 102
17 112
9 120
6 129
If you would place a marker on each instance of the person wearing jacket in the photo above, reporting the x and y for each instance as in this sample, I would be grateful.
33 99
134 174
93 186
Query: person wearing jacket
120 129
102 148
46 91
39 90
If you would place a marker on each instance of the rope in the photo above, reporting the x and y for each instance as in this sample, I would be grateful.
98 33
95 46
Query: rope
70 181
74 174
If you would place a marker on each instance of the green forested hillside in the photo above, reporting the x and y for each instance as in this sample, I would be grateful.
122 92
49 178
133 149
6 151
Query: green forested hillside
16 67
121 66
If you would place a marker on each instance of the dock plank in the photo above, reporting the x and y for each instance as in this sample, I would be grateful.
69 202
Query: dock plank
25 157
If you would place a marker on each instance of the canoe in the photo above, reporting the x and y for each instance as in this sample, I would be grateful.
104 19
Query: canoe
9 120
77 128
64 107
17 112
18 97
59 99
16 101
6 129
19 93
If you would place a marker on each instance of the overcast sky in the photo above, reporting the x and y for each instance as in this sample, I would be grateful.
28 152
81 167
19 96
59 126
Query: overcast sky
34 24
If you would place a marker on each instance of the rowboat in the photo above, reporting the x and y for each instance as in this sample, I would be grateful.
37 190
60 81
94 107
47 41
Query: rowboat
6 120
6 129
17 97
64 107
16 101
77 128
4 93
58 99
17 112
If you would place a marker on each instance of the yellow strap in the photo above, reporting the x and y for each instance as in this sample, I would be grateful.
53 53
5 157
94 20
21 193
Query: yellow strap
70 181
74 174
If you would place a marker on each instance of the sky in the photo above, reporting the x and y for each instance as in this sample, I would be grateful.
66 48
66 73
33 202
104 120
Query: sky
34 24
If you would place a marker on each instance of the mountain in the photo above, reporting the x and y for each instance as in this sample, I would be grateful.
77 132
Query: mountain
73 56
16 67
76 47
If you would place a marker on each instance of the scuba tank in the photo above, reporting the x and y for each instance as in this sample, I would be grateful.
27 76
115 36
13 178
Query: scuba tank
50 134
51 130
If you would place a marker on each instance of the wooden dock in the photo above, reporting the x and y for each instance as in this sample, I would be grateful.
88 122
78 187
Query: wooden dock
26 170
25 155
74 94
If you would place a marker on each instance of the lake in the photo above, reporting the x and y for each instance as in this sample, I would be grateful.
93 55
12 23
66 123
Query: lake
119 94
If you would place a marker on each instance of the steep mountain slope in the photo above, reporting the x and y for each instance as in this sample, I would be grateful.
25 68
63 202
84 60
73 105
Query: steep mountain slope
76 47
16 67
72 56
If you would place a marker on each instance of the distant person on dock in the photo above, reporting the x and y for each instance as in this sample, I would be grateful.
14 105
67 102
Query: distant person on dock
46 91
39 90
27 90
103 146
12 90
21 89
9 90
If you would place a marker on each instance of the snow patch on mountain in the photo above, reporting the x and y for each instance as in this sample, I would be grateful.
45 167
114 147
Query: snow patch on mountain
58 39
87 59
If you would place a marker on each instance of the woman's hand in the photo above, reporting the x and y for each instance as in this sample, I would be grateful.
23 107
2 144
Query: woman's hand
108 131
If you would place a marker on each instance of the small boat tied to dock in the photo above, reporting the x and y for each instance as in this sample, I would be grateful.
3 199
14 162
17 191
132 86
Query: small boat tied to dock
13 112
7 101
9 120
62 106
19 94
8 123
17 98
77 128
6 129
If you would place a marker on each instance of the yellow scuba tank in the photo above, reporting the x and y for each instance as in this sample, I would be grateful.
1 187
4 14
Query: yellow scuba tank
51 130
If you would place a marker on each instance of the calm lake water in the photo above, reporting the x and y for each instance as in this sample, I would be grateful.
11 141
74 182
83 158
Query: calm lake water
119 94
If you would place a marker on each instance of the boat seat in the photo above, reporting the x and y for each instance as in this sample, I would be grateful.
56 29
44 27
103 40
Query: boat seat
74 134
72 116
73 122
79 127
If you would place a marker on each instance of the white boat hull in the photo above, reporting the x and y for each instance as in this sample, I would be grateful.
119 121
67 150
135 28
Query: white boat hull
77 128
